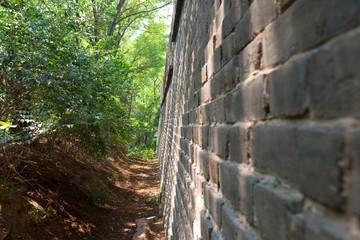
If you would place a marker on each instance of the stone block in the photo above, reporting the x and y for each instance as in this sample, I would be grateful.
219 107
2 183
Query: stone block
334 78
258 16
237 186
228 48
219 140
205 93
230 75
272 206
214 63
214 162
219 110
354 155
214 203
216 235
254 104
233 106
311 227
238 143
282 5
250 60
296 152
287 89
308 24
206 225
203 163
232 228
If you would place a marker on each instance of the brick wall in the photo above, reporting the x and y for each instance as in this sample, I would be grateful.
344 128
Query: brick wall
259 131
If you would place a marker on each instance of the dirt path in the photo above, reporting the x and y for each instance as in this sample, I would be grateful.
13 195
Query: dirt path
135 196
62 198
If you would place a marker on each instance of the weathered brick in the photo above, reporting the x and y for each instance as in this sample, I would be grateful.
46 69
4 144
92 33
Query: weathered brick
206 225
307 24
219 140
238 143
250 59
354 155
230 75
295 153
217 85
216 235
258 16
205 94
214 63
203 163
214 162
287 89
311 227
232 228
234 11
219 110
282 5
334 78
228 49
253 94
204 136
237 186
233 107
272 206
214 202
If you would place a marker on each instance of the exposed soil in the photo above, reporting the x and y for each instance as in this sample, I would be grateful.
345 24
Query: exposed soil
51 191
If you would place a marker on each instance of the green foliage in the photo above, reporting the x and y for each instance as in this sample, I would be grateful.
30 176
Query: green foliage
60 65
148 55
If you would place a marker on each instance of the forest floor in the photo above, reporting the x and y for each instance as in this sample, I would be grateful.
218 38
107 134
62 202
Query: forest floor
51 191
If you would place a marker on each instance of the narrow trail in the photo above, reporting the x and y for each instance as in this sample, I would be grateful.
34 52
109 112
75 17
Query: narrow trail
56 200
135 196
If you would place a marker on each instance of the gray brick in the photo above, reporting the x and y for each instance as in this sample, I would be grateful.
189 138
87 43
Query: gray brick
282 5
354 155
308 23
232 228
214 63
204 136
228 50
234 11
272 206
214 162
209 109
334 78
230 75
310 227
217 85
203 163
238 144
214 202
237 186
295 153
234 106
219 110
205 93
216 235
206 226
258 16
287 89
219 140
250 59
253 94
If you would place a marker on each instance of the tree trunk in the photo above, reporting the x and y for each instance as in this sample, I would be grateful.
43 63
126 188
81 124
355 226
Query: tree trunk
116 17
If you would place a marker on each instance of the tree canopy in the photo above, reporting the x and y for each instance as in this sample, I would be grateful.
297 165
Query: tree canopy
89 71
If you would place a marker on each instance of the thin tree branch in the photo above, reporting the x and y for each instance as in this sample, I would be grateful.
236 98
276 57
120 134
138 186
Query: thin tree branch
145 11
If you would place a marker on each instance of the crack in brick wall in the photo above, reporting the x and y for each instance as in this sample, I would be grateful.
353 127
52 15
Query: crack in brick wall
259 135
